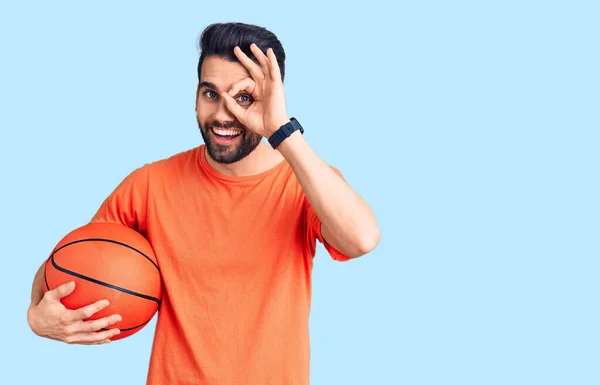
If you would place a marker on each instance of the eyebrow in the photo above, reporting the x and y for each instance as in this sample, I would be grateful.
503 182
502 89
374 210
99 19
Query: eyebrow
208 85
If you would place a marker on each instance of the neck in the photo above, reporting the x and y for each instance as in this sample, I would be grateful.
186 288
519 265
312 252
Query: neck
260 160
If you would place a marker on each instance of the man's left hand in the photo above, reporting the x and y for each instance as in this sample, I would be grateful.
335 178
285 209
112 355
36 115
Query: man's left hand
267 112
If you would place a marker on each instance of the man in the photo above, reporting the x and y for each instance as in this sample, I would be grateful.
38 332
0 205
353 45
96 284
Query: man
234 224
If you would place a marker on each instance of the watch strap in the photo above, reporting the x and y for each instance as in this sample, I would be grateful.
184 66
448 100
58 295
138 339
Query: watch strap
285 131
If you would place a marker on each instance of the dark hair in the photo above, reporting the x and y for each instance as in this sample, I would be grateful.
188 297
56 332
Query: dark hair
219 39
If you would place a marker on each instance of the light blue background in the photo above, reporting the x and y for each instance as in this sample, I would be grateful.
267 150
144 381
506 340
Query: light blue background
470 127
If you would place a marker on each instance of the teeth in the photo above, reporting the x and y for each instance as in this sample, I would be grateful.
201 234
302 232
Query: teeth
226 132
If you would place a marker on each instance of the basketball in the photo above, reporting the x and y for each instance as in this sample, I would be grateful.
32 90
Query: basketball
108 261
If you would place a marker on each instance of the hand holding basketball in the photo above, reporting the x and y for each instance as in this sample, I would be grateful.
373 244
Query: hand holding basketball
51 319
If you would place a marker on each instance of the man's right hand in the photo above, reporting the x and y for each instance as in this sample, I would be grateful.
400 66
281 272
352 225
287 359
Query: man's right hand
51 319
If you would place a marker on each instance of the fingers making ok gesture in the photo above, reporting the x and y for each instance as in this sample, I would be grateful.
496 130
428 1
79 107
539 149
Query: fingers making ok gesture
268 111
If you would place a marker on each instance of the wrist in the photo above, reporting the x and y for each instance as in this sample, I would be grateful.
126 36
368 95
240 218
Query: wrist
284 132
279 123
291 144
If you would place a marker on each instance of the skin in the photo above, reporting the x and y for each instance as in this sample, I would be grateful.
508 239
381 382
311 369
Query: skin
48 317
248 96
348 224
220 78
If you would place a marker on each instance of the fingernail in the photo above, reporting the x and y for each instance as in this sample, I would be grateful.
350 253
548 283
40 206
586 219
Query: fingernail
118 318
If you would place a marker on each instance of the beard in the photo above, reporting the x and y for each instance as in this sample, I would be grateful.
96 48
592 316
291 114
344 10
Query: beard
233 152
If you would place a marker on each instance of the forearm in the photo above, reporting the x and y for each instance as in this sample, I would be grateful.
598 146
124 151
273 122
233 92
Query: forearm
349 225
37 288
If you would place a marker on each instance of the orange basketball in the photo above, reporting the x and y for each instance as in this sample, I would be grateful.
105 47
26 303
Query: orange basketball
108 261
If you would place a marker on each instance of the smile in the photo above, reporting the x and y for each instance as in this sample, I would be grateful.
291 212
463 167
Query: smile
226 134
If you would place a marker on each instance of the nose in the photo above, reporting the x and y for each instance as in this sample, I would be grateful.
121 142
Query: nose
223 114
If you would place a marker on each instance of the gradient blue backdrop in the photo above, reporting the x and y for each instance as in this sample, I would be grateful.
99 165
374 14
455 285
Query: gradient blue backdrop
472 128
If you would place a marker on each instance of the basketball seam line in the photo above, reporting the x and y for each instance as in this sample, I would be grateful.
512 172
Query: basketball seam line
131 328
121 329
109 241
126 291
45 276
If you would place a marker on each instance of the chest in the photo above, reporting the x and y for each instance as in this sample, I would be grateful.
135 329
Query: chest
204 229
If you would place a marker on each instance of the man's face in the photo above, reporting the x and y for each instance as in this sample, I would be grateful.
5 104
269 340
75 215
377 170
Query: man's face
226 139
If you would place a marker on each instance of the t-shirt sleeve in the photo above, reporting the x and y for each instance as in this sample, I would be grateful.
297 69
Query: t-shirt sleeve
127 204
314 230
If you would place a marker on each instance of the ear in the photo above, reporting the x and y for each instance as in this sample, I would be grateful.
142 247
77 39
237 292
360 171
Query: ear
197 96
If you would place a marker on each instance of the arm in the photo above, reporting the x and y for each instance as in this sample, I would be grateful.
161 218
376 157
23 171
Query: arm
37 291
48 317
348 224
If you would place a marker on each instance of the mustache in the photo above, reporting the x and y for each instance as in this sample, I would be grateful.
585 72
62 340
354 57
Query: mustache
224 125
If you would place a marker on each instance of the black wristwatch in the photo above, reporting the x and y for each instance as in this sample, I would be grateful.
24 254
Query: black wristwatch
284 131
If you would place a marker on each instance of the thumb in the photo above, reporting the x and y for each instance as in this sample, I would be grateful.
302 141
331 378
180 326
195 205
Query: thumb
61 291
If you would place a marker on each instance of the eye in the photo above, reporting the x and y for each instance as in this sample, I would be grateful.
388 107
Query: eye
245 99
210 94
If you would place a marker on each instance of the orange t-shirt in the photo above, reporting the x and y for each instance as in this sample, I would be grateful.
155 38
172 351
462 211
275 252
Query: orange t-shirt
235 255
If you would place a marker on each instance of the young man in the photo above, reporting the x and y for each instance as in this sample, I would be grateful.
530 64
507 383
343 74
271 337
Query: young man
234 224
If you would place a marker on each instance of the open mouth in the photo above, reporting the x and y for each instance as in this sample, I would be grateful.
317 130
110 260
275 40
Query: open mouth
226 134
